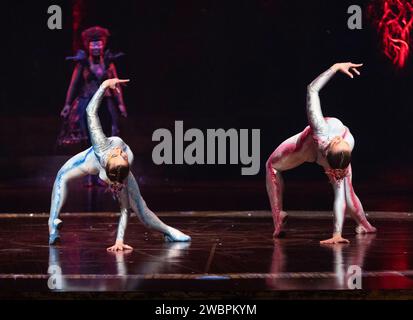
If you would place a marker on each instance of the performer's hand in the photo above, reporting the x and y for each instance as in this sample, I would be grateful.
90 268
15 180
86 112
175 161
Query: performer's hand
113 83
65 111
335 239
123 111
119 246
347 68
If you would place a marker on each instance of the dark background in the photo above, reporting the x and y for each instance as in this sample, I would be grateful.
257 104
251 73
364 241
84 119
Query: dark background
213 64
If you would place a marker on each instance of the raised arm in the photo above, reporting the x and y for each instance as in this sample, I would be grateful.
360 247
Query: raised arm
119 93
314 113
97 135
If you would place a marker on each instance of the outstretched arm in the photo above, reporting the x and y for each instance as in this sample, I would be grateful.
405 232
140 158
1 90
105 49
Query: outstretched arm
314 113
339 214
123 223
97 135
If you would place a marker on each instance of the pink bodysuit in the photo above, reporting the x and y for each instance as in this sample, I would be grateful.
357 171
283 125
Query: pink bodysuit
310 146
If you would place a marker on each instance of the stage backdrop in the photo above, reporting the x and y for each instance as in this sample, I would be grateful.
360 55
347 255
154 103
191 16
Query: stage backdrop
211 64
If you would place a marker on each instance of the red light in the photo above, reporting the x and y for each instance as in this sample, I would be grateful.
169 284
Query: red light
77 13
394 19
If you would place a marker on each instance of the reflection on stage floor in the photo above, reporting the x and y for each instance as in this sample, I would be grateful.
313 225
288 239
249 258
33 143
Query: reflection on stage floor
230 253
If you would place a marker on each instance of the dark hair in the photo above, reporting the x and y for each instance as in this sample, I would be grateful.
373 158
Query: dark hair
95 33
339 160
117 173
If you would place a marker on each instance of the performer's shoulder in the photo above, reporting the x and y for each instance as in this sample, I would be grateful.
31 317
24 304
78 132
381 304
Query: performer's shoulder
82 156
80 57
116 139
110 56
89 152
333 121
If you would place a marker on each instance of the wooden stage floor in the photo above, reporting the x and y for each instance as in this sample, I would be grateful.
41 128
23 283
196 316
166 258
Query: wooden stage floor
232 254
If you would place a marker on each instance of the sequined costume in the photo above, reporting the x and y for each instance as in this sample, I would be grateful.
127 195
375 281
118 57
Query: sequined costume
84 83
91 69
93 161
310 146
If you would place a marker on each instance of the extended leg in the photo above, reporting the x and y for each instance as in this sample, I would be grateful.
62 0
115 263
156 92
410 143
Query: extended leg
290 154
147 217
73 168
275 186
355 207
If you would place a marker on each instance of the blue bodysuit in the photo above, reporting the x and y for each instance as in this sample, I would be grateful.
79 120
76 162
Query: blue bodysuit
93 162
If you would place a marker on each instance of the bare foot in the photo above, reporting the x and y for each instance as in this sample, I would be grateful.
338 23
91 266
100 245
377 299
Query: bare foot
284 217
334 240
277 232
361 229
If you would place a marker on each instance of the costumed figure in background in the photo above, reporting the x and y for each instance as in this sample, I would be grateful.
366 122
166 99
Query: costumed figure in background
93 66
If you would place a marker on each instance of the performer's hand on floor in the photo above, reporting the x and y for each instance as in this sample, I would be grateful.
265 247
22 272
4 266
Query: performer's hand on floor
337 238
346 67
119 246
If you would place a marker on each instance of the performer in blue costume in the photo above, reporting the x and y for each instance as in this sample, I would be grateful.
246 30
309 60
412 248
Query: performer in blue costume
111 159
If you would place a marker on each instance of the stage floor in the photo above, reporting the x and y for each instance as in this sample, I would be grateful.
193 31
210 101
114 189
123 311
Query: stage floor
232 254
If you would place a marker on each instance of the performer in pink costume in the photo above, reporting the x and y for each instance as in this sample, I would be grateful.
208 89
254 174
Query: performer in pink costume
329 143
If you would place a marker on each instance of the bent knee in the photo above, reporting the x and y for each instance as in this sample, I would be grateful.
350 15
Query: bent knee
61 180
271 166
